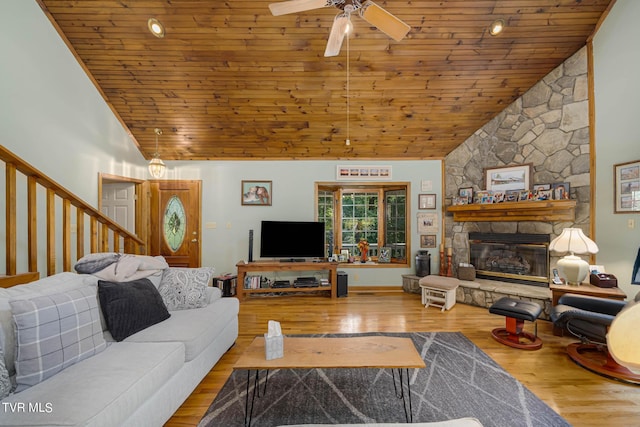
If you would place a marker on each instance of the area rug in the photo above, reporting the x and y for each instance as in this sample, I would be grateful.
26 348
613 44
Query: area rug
460 380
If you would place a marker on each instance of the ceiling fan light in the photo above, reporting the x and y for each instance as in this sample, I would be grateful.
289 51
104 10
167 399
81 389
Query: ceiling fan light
496 27
155 27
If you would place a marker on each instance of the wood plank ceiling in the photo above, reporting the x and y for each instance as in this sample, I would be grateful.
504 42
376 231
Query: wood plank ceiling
231 81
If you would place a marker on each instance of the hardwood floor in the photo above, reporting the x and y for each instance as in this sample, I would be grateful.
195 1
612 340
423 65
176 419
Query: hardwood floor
581 397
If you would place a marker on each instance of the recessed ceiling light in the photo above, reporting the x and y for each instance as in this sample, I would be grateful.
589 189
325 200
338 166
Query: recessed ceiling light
156 27
496 27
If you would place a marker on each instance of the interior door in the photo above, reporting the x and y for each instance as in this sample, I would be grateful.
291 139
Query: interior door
119 203
175 222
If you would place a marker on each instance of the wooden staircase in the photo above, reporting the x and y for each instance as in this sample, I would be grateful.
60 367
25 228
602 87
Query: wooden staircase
94 232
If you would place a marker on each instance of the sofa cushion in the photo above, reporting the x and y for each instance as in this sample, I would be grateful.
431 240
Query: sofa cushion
57 283
185 288
194 328
104 390
130 307
54 332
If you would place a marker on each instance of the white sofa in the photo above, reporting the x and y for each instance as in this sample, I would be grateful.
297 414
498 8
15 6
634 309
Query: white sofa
139 381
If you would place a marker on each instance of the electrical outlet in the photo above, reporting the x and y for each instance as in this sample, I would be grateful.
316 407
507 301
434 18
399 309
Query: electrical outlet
631 223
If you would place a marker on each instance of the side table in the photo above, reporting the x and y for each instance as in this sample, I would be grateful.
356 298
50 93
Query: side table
583 289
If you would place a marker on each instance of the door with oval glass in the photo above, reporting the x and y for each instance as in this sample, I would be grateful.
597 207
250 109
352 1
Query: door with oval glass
175 222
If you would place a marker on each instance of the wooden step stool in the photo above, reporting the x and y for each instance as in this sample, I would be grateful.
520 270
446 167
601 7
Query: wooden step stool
439 291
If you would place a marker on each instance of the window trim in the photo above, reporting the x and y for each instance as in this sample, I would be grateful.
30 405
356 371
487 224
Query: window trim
339 187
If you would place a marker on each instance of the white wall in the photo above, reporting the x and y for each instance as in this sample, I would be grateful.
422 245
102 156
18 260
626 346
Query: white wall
617 90
293 199
51 114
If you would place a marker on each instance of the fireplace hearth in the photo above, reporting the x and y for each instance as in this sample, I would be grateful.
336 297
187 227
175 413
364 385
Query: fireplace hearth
515 258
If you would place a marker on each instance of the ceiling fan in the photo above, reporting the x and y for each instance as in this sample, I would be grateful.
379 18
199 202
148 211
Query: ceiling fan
368 10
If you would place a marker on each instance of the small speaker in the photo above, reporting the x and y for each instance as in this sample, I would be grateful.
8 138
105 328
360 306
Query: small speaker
250 246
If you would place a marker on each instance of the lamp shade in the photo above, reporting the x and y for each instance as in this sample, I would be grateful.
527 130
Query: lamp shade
573 240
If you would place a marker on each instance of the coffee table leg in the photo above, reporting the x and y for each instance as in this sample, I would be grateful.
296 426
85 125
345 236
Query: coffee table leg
401 395
248 411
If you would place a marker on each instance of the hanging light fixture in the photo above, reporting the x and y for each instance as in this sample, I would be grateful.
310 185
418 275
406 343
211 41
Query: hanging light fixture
156 165
347 30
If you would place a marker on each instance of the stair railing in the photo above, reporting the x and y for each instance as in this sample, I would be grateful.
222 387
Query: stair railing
105 235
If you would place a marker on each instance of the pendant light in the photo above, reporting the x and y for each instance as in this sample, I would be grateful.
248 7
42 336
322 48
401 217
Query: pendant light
156 165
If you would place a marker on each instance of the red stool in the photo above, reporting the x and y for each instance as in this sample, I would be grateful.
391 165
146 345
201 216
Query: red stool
516 312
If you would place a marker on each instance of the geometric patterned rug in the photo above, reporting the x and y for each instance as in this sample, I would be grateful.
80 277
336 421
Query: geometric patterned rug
460 380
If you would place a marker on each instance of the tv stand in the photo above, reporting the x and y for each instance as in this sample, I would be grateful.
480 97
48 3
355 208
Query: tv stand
293 260
257 266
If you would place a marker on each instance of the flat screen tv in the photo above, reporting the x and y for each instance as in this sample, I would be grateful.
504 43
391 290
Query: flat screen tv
292 240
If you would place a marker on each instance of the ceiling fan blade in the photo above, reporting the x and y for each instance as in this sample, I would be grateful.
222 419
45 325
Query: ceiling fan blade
293 6
338 31
383 20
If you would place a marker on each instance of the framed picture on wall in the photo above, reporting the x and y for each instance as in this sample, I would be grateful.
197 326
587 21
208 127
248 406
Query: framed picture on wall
426 201
427 222
428 241
626 186
256 193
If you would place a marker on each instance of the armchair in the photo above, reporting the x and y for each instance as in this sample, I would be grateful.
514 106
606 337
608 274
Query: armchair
590 319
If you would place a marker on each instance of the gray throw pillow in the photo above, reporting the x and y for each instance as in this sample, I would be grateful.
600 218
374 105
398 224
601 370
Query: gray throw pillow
130 307
185 288
54 332
5 381
95 262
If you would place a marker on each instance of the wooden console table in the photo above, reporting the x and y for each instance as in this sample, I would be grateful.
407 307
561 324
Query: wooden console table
256 266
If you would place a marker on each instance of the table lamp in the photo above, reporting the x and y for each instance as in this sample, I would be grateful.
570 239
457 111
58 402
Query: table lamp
572 240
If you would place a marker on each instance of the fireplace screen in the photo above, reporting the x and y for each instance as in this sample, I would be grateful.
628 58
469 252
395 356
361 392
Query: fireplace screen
518 258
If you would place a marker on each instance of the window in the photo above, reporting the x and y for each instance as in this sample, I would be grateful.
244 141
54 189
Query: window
375 212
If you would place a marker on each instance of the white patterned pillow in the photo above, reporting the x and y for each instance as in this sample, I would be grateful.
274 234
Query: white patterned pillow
54 332
185 288
5 381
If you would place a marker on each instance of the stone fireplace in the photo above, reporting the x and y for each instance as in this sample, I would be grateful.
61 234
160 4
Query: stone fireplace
515 258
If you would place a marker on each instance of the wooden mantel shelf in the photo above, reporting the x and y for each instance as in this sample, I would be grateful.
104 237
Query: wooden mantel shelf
543 210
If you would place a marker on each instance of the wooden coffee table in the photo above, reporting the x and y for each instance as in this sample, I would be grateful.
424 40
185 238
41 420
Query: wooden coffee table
347 352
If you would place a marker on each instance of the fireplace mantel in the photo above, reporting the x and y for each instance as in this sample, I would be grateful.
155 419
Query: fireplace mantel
542 210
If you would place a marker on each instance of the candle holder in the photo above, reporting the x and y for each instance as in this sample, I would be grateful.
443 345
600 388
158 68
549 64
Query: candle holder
443 264
449 265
